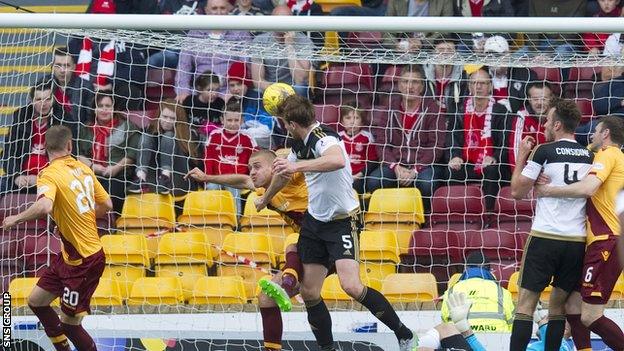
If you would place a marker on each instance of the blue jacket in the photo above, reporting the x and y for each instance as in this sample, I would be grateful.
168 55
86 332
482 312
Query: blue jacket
539 345
608 97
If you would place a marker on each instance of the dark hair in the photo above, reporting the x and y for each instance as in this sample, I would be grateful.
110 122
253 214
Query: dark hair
445 38
297 109
40 86
351 106
483 69
203 80
182 126
615 125
538 85
567 113
102 94
57 138
63 51
413 69
234 105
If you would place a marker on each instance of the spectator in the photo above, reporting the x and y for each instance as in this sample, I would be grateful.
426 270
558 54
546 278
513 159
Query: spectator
473 156
609 94
206 108
508 83
562 44
488 297
483 8
446 83
169 149
246 8
410 138
228 149
257 122
359 144
72 93
368 8
521 8
109 146
411 42
541 318
614 45
182 7
193 63
508 132
594 43
24 154
290 71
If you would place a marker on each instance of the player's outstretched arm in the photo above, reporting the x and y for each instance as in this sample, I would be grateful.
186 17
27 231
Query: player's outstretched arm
521 185
587 187
238 181
40 208
331 160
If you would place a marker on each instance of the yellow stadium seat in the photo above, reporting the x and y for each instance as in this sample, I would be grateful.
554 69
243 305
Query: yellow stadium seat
156 291
399 210
207 208
107 293
253 246
410 287
454 279
20 289
147 211
374 273
187 273
218 290
291 239
379 246
185 247
332 291
126 249
514 288
265 221
328 5
124 276
618 289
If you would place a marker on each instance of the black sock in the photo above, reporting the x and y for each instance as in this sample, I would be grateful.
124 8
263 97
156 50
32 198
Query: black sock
320 323
521 332
381 308
554 333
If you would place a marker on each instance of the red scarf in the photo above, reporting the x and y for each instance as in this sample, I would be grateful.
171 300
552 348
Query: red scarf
478 133
524 125
476 7
409 120
100 140
62 99
37 159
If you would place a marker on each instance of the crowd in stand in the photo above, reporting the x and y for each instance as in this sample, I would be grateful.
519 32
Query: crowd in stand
440 124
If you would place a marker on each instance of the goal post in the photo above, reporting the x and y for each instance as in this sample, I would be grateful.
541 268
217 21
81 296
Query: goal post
421 215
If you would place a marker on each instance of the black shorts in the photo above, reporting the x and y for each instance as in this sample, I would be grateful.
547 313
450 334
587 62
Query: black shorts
326 242
455 343
549 259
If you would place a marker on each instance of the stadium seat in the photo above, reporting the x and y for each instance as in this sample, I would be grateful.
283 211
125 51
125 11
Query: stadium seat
142 118
291 239
586 108
125 249
328 114
390 80
346 81
379 246
551 75
107 293
328 5
581 81
211 211
124 276
332 291
20 289
365 40
457 207
399 210
35 247
494 244
156 291
253 246
513 215
514 288
218 291
375 272
265 221
410 287
147 212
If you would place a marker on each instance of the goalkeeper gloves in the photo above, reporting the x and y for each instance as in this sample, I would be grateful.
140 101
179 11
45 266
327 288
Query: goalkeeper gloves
459 306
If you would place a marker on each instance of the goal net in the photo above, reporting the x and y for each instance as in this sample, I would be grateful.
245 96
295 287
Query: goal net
431 122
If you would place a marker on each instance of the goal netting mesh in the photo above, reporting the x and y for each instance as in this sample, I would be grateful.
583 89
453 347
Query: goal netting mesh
431 121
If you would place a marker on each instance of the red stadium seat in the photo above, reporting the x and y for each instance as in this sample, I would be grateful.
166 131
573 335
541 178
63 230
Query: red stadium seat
12 204
511 214
550 75
346 81
586 108
365 40
142 119
328 114
439 246
390 79
494 244
37 247
581 81
457 207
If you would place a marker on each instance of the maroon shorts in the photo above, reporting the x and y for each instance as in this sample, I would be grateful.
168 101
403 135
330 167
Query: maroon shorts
73 284
601 270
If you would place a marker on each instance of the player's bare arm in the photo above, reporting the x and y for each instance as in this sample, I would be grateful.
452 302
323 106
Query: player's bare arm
238 181
278 182
587 187
520 184
102 208
331 160
39 209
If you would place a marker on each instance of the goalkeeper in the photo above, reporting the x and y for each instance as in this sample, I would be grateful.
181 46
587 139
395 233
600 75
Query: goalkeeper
291 203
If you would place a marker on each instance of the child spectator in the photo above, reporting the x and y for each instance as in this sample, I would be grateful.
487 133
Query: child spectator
594 43
205 108
228 149
359 144
246 8
257 122
170 149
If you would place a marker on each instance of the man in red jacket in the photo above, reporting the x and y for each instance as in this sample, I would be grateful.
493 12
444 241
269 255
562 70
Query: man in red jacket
228 149
410 137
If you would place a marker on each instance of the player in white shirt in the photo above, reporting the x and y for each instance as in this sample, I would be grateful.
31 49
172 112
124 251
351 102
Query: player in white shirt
331 226
556 247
